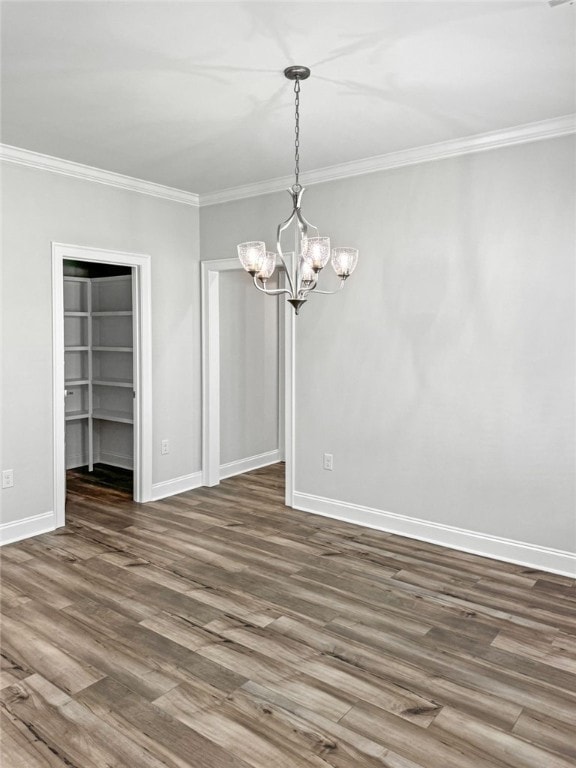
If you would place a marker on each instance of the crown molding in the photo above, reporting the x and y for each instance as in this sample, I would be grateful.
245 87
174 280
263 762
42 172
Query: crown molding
88 173
522 134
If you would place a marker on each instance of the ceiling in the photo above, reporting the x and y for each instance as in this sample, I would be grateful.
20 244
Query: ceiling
191 95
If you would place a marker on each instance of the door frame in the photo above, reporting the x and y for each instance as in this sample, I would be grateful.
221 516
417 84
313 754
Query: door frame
210 282
142 319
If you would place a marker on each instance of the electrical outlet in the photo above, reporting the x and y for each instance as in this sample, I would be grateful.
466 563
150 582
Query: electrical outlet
328 462
165 448
8 478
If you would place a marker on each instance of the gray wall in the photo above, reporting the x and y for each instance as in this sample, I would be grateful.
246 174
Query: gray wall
40 207
442 377
248 369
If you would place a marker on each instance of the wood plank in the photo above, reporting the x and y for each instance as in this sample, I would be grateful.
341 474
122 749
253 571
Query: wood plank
501 746
70 730
154 730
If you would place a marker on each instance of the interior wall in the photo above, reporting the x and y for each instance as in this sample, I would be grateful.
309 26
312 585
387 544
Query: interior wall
39 207
442 378
248 369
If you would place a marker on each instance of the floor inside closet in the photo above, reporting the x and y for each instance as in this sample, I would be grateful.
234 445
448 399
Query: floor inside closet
81 481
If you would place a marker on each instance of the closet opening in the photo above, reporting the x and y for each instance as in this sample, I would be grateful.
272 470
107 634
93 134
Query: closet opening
99 381
102 390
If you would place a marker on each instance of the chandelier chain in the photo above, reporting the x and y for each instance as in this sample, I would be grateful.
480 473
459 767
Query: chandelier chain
297 135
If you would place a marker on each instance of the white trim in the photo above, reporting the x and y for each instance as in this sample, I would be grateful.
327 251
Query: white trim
177 485
58 406
88 173
240 466
289 323
496 547
142 323
115 460
28 526
211 367
78 460
544 129
521 134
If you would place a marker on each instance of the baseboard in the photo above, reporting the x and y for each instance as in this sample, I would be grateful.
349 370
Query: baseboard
240 466
75 463
177 485
76 460
29 526
518 552
115 460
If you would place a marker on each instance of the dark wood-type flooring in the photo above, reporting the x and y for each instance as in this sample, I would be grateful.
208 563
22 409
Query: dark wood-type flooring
101 475
219 629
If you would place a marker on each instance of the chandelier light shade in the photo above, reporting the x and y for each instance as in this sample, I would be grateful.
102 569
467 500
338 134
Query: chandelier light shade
267 266
313 252
344 261
252 256
316 252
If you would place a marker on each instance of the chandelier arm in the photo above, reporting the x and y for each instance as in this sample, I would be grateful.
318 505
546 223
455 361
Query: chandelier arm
303 291
304 221
281 227
270 291
286 270
329 293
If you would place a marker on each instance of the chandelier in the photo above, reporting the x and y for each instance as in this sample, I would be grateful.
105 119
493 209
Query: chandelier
312 253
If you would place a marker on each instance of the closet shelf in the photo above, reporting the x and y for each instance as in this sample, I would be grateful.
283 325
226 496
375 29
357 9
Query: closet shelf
76 382
120 416
111 349
111 382
76 349
74 415
115 313
76 314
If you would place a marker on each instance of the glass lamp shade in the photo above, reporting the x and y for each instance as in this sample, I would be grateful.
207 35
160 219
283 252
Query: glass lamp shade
267 267
307 275
252 255
344 261
316 251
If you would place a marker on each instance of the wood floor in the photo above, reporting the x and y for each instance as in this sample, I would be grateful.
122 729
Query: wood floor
101 475
219 629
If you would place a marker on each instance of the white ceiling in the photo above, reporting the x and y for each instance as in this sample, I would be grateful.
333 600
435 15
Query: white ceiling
191 95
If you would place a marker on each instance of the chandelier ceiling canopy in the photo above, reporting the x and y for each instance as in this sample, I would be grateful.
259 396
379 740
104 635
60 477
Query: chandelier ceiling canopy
311 251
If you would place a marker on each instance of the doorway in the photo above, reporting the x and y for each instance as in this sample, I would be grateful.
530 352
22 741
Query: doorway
102 372
234 400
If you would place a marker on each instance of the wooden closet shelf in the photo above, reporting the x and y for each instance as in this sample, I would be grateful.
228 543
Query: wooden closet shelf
111 349
110 382
119 416
115 313
74 415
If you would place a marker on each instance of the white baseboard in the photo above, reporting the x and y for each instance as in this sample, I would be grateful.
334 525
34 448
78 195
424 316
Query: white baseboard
76 460
240 466
29 526
518 552
177 485
75 463
115 460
